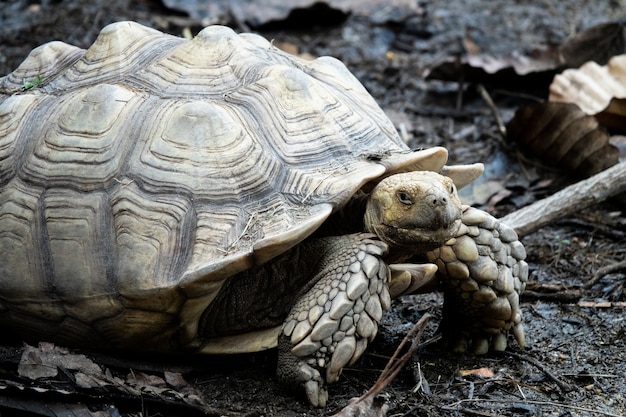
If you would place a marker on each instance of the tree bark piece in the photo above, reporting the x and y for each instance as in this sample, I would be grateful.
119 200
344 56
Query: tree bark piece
569 200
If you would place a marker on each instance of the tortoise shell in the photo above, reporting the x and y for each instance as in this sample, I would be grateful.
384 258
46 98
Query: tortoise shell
140 174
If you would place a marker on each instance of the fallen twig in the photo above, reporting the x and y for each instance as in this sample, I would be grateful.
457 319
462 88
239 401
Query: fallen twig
605 270
552 292
599 224
544 403
565 387
362 406
494 109
569 200
601 304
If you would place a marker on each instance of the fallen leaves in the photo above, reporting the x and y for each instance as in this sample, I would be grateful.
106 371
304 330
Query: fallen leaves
596 44
570 130
45 361
51 370
257 14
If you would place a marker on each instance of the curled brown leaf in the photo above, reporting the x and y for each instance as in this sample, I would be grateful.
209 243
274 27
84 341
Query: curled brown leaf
597 90
562 135
598 43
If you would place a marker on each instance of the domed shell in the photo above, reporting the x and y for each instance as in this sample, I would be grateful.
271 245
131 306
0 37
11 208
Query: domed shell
141 173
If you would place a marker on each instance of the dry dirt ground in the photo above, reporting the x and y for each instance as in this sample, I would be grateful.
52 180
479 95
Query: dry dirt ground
575 361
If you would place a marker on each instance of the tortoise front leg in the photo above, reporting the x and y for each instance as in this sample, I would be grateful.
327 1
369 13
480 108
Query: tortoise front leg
483 274
331 324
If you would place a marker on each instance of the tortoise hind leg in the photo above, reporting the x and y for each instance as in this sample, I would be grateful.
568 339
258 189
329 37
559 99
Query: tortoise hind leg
483 274
331 324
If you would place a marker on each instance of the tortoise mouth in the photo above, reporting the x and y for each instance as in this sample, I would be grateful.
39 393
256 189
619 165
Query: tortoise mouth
418 238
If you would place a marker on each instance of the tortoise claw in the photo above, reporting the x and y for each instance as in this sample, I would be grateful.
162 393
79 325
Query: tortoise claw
295 372
316 394
412 278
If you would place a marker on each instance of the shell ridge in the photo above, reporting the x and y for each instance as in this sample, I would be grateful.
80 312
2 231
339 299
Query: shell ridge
47 62
117 52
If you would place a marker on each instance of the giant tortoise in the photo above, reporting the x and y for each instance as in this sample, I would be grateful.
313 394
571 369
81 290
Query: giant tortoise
218 195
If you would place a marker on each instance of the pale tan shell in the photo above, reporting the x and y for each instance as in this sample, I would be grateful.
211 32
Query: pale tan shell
142 172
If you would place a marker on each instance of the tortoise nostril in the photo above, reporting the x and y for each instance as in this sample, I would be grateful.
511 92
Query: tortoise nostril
436 201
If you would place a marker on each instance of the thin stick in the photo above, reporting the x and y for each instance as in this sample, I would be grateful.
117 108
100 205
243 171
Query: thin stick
245 230
563 385
548 403
494 109
569 200
394 366
605 270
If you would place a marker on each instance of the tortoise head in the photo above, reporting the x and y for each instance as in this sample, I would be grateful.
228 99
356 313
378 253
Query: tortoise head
420 210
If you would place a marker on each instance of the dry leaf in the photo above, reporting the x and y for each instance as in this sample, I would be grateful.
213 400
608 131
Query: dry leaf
483 67
369 407
567 132
614 116
481 372
562 135
259 13
89 381
44 362
143 379
483 191
598 43
175 380
597 90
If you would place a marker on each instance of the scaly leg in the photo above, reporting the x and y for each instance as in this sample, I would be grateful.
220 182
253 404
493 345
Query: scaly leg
483 274
331 324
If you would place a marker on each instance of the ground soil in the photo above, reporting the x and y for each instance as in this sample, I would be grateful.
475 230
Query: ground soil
575 360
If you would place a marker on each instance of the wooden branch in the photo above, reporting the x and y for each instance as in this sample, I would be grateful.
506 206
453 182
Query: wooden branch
569 200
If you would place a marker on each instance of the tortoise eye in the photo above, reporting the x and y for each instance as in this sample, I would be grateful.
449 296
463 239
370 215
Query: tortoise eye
404 198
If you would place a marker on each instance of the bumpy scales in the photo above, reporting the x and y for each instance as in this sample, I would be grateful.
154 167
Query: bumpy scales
219 195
